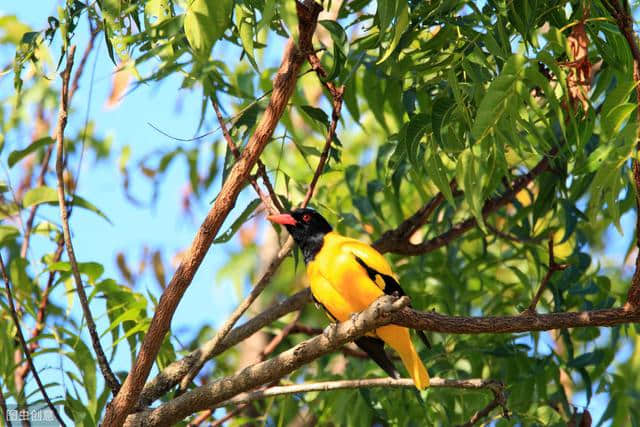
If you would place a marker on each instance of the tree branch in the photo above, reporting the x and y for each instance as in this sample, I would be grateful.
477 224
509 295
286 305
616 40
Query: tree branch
173 373
499 399
625 24
210 347
470 384
553 267
404 247
272 205
336 103
283 87
209 395
108 374
25 347
435 322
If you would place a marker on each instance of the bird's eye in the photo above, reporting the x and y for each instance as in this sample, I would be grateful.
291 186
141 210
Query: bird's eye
306 217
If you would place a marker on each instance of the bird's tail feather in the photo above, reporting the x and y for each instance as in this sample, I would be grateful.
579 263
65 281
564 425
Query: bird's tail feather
398 338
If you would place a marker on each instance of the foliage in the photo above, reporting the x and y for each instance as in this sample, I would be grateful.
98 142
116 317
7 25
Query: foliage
476 92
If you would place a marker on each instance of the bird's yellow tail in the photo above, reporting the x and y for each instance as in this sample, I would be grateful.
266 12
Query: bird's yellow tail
400 340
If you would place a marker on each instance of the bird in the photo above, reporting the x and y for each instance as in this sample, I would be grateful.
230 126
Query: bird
346 276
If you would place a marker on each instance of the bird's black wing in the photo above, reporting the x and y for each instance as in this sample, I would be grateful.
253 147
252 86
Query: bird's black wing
374 347
391 286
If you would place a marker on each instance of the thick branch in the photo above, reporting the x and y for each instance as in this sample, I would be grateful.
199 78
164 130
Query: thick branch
435 322
472 384
403 246
283 87
25 347
209 395
108 374
172 374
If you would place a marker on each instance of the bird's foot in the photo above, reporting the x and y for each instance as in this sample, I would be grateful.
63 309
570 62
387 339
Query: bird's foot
330 331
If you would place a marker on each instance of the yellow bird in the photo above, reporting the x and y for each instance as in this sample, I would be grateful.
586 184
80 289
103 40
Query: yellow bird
346 276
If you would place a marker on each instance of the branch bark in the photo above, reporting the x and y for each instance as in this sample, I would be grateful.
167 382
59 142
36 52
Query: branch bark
107 373
404 247
172 374
283 87
470 384
435 322
625 23
211 346
209 395
25 347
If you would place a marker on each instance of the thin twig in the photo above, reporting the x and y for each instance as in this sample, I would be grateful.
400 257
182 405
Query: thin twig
409 226
470 384
337 93
272 204
173 373
404 247
108 374
499 399
44 165
553 267
229 415
275 341
23 343
3 406
212 345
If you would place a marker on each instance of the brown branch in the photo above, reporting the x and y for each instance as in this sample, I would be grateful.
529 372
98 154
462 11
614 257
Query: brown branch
40 316
108 374
336 103
3 405
23 343
410 225
499 399
435 322
272 204
211 346
470 384
212 394
173 373
553 267
44 166
227 417
625 24
403 246
283 87
275 341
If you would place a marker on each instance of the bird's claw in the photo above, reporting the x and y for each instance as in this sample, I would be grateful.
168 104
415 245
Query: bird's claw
330 331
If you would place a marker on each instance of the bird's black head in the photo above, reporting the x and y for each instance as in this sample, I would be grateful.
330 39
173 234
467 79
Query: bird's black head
307 227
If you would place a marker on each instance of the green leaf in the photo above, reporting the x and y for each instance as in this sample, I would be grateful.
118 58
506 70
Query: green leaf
228 234
44 194
39 195
438 174
414 131
505 87
385 11
402 23
469 177
316 114
16 156
613 121
245 23
205 22
7 233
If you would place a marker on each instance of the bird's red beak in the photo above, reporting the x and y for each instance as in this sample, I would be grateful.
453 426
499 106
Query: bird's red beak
283 219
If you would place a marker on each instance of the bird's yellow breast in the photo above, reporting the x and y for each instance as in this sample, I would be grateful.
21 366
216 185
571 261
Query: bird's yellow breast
338 281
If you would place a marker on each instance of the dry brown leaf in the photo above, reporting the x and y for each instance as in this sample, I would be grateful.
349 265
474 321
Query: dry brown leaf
580 68
121 79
